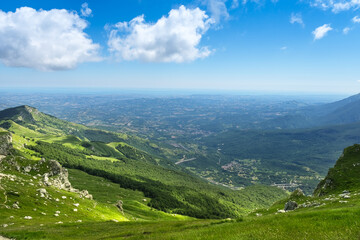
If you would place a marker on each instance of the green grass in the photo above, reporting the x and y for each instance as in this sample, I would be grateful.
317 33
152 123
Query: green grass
344 175
105 191
328 222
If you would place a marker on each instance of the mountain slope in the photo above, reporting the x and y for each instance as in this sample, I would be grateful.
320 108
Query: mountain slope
345 175
329 217
168 188
345 111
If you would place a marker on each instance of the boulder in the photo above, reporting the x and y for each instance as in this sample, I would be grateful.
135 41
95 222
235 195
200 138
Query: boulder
85 194
16 205
27 169
43 193
290 206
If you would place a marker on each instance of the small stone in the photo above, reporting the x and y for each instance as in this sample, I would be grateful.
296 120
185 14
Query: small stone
15 206
63 197
76 204
43 192
75 210
56 215
28 217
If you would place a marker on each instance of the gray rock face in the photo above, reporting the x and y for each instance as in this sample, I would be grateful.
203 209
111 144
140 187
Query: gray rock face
57 176
5 144
290 205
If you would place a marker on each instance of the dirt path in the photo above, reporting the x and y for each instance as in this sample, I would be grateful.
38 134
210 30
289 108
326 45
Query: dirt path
185 160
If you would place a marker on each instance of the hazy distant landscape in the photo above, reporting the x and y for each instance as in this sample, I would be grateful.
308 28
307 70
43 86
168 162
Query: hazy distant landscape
232 140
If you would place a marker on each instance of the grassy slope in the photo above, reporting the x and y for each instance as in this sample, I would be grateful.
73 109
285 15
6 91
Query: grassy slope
331 221
344 175
177 188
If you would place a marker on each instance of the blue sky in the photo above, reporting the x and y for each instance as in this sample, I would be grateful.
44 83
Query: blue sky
263 45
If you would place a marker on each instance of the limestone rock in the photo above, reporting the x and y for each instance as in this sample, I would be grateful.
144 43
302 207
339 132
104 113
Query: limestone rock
85 194
5 144
43 193
57 176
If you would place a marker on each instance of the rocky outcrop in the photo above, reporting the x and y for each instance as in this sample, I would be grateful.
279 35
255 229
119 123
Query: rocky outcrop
5 143
57 176
290 206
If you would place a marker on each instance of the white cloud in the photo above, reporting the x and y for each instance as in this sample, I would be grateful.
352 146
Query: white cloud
346 30
356 19
173 38
284 48
321 31
85 10
217 9
296 18
336 6
44 40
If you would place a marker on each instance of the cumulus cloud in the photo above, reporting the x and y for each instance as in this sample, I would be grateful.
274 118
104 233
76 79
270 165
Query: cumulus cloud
173 38
85 10
321 31
356 19
44 40
296 18
336 6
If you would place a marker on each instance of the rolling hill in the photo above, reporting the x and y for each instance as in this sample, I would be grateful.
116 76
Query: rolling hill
104 154
330 216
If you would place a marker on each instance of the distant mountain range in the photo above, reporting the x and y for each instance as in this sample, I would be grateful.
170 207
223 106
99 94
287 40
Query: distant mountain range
341 112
